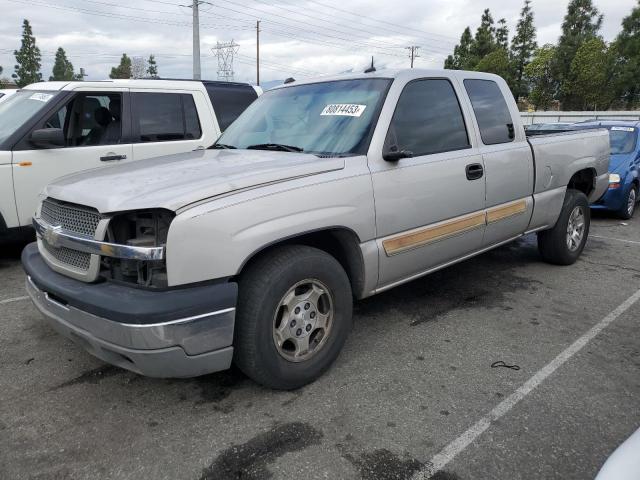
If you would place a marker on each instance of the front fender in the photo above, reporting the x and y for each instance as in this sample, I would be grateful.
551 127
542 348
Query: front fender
215 239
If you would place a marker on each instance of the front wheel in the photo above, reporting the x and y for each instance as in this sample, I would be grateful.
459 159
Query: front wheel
293 316
563 244
629 204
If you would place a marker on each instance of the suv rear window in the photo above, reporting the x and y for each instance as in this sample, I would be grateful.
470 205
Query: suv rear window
165 117
492 113
229 101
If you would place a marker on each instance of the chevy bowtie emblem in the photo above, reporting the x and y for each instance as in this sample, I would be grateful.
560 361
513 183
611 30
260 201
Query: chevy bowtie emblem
51 235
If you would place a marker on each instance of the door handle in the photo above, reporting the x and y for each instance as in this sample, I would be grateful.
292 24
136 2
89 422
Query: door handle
110 158
474 171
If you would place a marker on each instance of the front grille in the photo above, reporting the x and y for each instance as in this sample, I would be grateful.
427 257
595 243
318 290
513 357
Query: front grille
73 218
73 258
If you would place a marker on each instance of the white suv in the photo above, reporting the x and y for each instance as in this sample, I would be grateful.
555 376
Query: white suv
52 129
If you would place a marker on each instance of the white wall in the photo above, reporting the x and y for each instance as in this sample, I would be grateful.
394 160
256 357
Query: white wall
553 117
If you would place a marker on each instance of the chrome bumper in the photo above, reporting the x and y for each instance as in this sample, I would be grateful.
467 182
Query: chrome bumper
58 237
185 347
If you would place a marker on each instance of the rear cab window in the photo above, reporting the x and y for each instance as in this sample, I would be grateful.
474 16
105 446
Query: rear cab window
229 100
418 125
491 111
164 117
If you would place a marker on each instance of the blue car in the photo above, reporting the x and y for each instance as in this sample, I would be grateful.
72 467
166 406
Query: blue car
624 184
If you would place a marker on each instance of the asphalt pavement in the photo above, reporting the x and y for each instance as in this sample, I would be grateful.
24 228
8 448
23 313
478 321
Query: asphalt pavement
413 394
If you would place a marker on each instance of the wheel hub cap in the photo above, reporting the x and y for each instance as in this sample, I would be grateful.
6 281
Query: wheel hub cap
575 228
631 203
303 320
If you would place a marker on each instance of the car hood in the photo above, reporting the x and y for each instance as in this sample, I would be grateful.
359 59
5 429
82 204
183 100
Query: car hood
619 163
175 181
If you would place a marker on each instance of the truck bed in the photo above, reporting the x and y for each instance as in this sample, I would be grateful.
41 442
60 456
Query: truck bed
557 155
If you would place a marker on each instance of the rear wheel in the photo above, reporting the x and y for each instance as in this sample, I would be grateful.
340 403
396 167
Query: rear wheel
563 244
629 204
293 317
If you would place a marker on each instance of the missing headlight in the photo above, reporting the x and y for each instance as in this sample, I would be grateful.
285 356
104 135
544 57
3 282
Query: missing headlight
145 228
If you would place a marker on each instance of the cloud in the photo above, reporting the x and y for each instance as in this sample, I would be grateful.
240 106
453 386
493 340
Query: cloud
298 37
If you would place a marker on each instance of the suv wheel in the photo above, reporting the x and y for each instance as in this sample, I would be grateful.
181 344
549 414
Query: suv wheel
563 244
293 317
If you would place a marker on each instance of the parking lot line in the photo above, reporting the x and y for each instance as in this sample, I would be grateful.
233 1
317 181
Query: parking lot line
454 448
15 299
616 239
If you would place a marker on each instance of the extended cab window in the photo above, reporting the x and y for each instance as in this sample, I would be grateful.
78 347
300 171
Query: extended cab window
164 117
492 113
428 119
89 119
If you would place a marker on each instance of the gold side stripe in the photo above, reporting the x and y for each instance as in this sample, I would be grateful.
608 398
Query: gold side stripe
434 233
465 223
496 214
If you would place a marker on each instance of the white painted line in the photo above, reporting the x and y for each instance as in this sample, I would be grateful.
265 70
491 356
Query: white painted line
616 239
11 300
453 449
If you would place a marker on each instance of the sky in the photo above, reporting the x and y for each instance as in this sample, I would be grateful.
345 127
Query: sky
299 38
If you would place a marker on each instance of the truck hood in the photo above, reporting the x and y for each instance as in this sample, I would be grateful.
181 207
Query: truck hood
175 181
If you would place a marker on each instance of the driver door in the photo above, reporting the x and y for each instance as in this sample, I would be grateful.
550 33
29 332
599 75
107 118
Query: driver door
96 134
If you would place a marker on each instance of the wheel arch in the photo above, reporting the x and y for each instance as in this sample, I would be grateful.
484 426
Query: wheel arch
583 181
340 242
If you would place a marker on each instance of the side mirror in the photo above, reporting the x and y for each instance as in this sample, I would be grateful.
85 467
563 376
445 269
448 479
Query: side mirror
47 137
395 155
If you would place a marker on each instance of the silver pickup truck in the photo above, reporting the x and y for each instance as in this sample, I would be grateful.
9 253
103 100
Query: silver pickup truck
321 192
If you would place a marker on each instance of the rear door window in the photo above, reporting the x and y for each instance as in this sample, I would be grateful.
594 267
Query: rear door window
491 110
419 124
229 101
165 117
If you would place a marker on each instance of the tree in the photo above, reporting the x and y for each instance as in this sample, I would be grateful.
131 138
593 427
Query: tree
123 70
539 73
152 69
523 45
581 23
502 34
484 41
590 74
497 62
627 62
461 58
28 58
62 67
138 67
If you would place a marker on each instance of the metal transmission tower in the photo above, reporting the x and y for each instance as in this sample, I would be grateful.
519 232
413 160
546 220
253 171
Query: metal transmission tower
413 53
225 53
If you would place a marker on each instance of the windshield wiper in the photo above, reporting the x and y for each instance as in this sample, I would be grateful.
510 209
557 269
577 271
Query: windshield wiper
275 146
222 146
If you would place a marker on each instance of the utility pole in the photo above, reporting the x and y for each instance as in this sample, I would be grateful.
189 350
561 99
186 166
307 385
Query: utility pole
413 53
258 52
196 36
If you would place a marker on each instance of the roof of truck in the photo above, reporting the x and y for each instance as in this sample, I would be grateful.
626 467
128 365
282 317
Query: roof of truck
405 74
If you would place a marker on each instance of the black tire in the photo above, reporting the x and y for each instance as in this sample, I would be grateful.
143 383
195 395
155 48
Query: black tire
552 244
262 286
627 211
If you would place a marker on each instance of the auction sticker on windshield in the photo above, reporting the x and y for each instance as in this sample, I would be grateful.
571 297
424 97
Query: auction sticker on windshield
344 109
622 129
41 97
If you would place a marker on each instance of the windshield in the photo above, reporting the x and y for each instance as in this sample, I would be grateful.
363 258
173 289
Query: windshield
622 139
330 118
20 107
